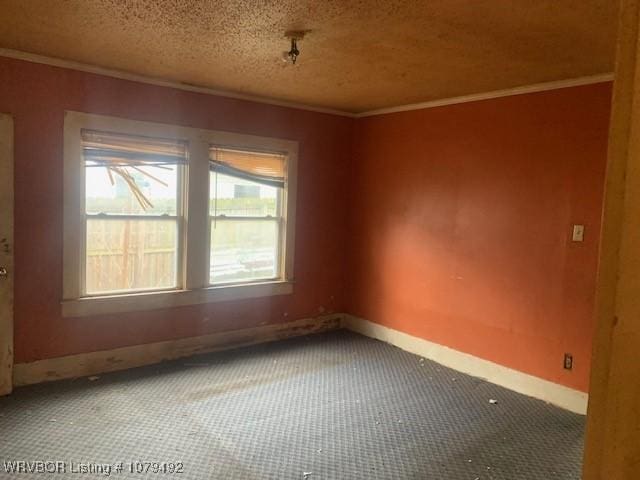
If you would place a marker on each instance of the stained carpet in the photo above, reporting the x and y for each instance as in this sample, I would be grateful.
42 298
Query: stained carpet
329 406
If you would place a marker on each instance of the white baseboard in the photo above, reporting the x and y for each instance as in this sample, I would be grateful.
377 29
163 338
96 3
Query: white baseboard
94 363
553 393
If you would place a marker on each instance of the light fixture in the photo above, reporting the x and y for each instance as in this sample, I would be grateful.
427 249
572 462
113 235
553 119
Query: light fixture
294 36
294 52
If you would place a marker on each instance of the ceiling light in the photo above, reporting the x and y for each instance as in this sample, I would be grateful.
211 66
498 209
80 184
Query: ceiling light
294 36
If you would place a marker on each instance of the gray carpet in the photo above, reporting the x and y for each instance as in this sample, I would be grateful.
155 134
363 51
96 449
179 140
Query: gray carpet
329 406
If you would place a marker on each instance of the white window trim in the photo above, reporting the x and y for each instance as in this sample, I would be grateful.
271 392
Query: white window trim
195 252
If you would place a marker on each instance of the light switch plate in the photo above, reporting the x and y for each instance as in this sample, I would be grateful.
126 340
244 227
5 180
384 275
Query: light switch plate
578 233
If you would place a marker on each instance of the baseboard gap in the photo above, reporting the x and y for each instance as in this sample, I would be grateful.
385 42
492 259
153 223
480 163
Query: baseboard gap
104 361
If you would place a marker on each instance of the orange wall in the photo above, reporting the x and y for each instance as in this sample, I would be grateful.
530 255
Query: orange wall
37 96
461 221
452 223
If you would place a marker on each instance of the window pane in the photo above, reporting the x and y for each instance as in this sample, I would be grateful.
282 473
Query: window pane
130 255
127 190
242 198
243 250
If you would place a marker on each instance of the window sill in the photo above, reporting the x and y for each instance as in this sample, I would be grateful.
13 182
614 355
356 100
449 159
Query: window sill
136 302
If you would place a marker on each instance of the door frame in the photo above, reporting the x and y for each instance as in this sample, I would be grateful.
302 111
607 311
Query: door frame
612 446
6 253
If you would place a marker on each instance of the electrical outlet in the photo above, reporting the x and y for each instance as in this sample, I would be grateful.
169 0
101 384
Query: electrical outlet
568 361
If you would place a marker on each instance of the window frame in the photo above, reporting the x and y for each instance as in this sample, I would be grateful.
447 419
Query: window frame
193 225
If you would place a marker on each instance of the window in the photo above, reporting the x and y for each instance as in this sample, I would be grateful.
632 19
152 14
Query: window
159 215
246 191
132 212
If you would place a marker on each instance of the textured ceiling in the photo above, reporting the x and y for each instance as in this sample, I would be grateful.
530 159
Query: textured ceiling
360 54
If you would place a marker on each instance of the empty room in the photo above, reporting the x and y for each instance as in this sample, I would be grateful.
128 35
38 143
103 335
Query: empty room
320 240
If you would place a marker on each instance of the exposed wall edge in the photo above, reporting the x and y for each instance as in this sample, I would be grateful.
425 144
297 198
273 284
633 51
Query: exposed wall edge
6 254
83 67
538 87
93 363
134 77
553 393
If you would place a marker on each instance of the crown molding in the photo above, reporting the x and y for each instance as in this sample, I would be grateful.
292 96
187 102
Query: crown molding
537 87
69 64
133 77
